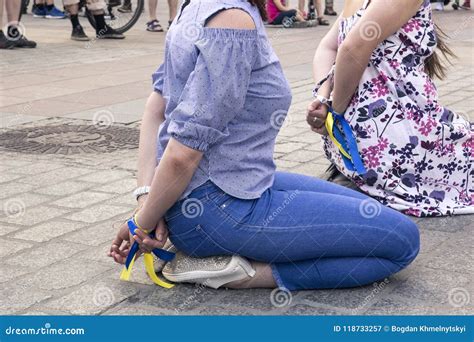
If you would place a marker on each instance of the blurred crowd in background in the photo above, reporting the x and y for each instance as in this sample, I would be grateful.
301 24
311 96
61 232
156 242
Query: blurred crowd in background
279 13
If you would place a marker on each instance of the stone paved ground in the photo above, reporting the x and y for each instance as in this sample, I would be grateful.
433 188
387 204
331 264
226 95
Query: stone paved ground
58 204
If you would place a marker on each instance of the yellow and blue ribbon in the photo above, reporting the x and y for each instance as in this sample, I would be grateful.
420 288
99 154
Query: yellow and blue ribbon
345 141
147 257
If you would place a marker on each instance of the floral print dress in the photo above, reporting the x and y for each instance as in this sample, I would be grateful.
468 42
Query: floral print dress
418 154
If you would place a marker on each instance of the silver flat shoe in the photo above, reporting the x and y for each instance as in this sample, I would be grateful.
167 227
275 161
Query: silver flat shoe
212 271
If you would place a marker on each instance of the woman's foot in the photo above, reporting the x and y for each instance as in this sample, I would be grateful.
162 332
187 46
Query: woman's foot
154 26
159 264
323 21
211 271
330 11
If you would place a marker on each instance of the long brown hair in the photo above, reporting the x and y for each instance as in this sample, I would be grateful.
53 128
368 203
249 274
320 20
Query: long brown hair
435 65
261 5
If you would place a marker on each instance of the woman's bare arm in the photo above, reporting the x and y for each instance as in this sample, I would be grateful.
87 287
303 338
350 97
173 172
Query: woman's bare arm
153 117
380 20
324 58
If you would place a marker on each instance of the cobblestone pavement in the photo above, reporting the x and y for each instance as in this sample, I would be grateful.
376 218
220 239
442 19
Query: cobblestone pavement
58 203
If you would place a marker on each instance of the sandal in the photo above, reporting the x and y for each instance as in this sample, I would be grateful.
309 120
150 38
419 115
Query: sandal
322 21
330 11
154 26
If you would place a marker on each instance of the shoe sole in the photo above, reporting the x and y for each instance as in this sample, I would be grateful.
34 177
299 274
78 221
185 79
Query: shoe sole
206 277
80 39
39 16
51 17
111 37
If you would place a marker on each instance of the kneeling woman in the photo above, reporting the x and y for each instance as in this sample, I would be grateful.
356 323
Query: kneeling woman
212 175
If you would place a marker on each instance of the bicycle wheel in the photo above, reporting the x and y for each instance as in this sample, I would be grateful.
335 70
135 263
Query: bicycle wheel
120 15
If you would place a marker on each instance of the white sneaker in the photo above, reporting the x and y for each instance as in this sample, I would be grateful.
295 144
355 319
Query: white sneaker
212 271
439 6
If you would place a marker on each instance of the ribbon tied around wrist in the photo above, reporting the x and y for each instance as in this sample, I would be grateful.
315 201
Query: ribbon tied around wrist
147 258
345 141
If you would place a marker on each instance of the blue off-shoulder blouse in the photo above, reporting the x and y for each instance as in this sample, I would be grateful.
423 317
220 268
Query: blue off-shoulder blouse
226 95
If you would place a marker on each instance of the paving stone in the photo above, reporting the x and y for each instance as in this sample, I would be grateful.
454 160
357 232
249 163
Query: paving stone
9 247
104 176
311 169
9 272
300 156
98 213
448 224
285 165
8 177
95 235
14 189
122 186
55 177
444 258
287 147
63 275
127 199
14 205
99 253
430 286
64 188
33 216
48 230
16 298
6 229
92 299
307 310
45 254
403 306
183 297
82 199
354 300
35 168
128 309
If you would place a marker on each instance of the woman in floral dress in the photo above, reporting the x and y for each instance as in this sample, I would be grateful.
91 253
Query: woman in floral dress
417 154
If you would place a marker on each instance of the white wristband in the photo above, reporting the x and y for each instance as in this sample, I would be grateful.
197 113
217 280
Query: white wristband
143 190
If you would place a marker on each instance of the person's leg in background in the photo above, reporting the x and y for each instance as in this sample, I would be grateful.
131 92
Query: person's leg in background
318 5
153 25
126 7
292 16
72 7
102 30
46 9
14 28
96 7
173 10
301 5
4 42
39 9
329 10
52 12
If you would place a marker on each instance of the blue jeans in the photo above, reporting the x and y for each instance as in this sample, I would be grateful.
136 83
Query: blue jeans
313 233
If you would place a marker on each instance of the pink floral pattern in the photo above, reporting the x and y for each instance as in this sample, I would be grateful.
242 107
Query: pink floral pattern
418 154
